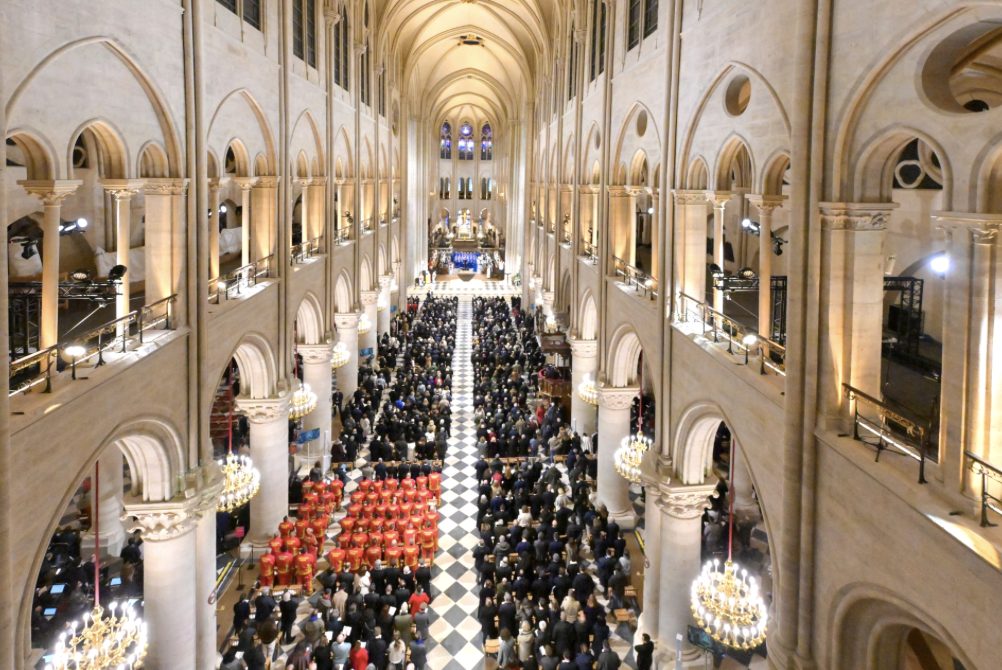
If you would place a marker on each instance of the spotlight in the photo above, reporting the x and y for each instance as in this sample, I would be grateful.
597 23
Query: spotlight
940 264
716 270
82 223
752 227
117 272
80 275
222 209
74 351
749 341
650 210
746 273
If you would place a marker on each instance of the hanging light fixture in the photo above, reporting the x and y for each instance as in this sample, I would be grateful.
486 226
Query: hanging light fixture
241 480
588 392
726 601
113 640
364 325
339 356
629 458
304 401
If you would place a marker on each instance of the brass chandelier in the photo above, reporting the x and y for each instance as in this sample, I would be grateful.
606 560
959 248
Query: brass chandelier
339 356
304 401
241 481
629 458
115 640
588 392
364 325
727 603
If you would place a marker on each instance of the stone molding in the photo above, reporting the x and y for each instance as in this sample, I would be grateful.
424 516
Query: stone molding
983 228
266 181
168 520
315 353
264 410
766 203
617 398
122 189
855 216
216 183
687 197
583 348
718 199
50 192
369 297
685 502
347 321
245 183
166 186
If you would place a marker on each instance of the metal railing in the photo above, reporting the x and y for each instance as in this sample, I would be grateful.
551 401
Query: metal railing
366 225
33 370
772 355
894 431
590 252
985 471
342 235
232 284
634 276
301 252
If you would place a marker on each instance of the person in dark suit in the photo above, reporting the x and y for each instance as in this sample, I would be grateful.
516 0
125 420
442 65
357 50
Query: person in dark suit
241 614
264 605
419 652
288 608
645 653
377 648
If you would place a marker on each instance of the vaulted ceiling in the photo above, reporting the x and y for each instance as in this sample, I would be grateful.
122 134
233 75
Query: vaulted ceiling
479 54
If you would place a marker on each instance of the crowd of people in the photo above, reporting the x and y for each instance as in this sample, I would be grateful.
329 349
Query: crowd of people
369 606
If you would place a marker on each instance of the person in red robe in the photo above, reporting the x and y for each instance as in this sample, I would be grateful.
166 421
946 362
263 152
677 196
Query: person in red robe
266 569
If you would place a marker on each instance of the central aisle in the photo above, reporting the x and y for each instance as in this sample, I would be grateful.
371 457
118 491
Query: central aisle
455 630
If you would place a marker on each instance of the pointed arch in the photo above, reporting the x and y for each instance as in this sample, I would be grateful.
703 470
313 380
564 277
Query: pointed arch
310 320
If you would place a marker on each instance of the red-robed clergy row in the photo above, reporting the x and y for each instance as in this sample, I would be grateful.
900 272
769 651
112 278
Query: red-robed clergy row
389 520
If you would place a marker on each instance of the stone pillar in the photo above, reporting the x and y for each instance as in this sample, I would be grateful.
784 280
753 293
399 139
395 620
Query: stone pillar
262 219
111 485
649 619
368 340
584 365
214 186
383 305
205 574
269 447
165 238
316 192
52 194
680 542
690 264
614 425
170 594
766 205
121 191
622 226
549 298
318 374
304 212
719 201
852 299
971 401
246 185
347 334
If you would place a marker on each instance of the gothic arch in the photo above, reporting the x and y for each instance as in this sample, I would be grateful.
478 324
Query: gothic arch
310 320
588 319
231 116
37 151
343 301
872 170
625 349
257 364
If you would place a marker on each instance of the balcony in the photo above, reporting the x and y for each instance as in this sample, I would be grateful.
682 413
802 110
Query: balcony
301 253
633 279
240 282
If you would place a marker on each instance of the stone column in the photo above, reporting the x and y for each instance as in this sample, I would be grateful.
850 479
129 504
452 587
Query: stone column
269 446
52 194
165 238
971 405
383 305
170 593
622 229
584 365
852 299
111 485
304 211
318 374
121 191
549 297
317 194
246 184
719 201
214 186
614 425
347 334
263 217
766 205
690 264
680 542
205 570
368 340
649 619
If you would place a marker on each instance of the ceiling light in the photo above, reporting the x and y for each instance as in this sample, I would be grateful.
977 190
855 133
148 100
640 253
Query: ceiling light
81 223
940 264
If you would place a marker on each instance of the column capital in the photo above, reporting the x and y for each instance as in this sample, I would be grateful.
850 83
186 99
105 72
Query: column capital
689 197
331 13
245 183
718 199
50 191
984 228
318 181
302 181
266 181
856 216
766 203
617 398
216 183
122 189
385 282
549 297
347 320
684 502
589 189
264 410
170 519
165 186
619 191
369 297
583 348
315 353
